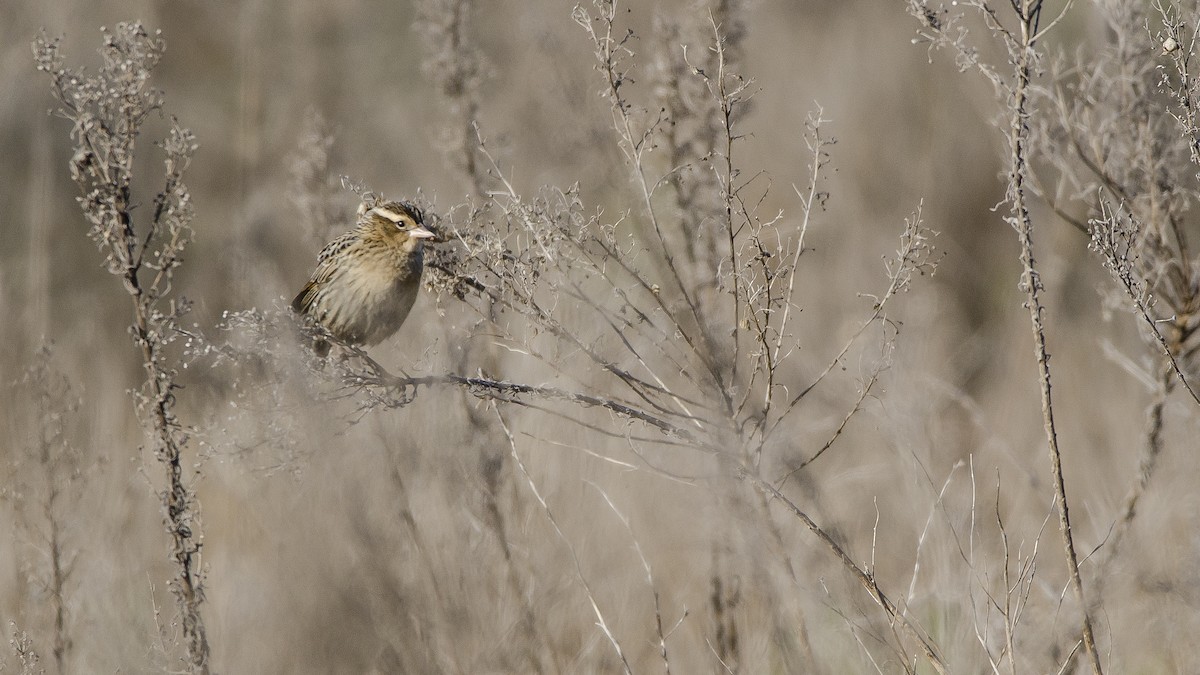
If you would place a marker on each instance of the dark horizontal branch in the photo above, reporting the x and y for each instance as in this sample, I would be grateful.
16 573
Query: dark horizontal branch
640 387
514 391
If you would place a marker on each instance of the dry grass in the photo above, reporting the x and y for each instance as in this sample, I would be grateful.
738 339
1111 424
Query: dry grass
684 394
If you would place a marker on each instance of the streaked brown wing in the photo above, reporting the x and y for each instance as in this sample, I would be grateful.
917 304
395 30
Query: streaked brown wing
303 301
338 245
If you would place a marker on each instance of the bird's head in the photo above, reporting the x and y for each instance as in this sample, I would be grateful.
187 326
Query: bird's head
397 220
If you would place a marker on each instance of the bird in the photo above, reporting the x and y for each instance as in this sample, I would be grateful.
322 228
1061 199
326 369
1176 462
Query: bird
367 279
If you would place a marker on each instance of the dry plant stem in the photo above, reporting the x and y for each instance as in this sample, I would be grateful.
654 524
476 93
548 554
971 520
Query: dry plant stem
59 466
447 658
1104 241
1146 467
1028 12
1016 590
896 617
809 199
641 388
635 144
727 100
178 497
1167 352
108 111
789 617
562 535
637 547
1021 586
864 391
1187 116
453 65
1139 195
22 647
1006 611
907 258
529 308
660 345
512 392
58 580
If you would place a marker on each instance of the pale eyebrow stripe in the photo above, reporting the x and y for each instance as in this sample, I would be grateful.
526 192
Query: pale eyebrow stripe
390 215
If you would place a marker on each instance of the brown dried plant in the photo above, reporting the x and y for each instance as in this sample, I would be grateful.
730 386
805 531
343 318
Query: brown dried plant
670 326
1119 139
45 488
108 113
644 339
1107 143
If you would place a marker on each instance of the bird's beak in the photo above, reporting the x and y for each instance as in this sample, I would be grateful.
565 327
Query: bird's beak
421 233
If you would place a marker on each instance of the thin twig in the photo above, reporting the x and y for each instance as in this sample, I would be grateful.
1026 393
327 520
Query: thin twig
864 577
562 536
1031 282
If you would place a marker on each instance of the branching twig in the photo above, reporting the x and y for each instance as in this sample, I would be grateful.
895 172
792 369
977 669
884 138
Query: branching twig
107 112
863 576
1028 12
1020 45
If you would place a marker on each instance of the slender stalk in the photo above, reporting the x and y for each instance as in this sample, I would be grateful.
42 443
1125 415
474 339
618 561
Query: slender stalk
1028 11
107 112
896 616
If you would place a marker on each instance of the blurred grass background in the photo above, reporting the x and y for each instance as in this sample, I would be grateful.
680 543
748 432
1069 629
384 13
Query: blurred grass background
311 568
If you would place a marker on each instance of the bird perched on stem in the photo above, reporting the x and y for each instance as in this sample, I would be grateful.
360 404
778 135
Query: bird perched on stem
367 280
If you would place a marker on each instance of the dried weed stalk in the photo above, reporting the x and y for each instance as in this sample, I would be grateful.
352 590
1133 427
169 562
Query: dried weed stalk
452 63
23 649
670 326
943 29
108 112
45 488
1120 140
454 66
315 191
666 330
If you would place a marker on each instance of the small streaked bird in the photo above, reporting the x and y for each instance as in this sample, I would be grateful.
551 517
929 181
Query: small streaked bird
367 280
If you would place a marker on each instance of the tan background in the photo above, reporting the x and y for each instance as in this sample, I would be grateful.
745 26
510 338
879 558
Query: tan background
311 567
